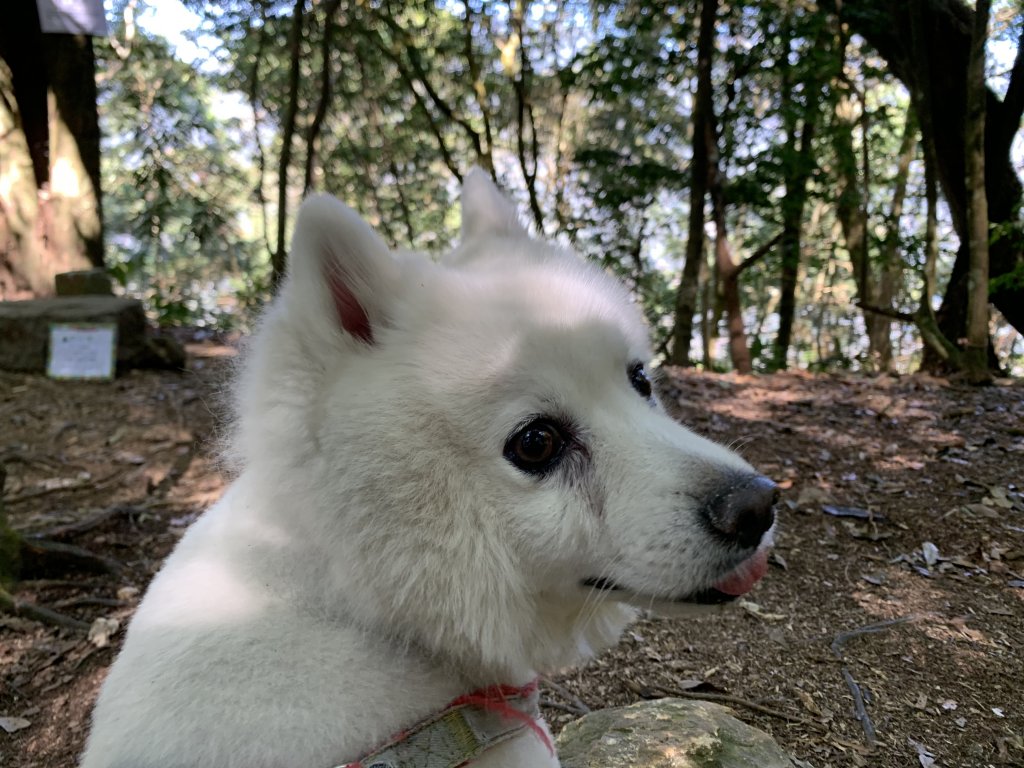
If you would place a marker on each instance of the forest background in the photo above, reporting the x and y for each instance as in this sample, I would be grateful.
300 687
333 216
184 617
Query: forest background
781 183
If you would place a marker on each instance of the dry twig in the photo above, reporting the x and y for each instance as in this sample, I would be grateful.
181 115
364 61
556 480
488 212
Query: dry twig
654 691
572 710
77 528
860 710
575 704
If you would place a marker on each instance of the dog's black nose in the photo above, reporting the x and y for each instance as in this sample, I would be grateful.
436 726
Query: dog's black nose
742 512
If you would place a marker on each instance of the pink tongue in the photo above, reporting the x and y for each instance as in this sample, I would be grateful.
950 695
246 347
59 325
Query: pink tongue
746 575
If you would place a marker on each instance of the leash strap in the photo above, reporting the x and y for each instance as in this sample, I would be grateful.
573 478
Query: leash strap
459 734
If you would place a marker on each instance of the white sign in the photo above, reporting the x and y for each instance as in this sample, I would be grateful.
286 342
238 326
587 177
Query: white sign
82 351
72 17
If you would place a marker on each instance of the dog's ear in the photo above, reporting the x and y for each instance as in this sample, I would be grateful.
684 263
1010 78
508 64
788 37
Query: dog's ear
340 268
485 210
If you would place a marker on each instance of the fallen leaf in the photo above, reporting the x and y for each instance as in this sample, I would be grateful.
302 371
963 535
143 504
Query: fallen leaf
809 704
1005 743
756 610
997 611
12 724
57 483
856 512
812 496
689 685
924 755
125 457
981 509
930 553
127 593
964 563
101 630
999 497
867 533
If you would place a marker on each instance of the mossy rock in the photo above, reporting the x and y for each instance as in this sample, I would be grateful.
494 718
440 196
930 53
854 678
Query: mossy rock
667 733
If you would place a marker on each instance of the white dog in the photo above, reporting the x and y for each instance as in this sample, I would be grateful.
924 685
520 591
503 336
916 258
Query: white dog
453 477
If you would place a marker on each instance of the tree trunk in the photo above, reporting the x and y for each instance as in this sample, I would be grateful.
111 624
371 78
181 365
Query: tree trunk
50 204
799 173
852 213
798 163
726 268
277 261
686 297
708 327
891 266
976 356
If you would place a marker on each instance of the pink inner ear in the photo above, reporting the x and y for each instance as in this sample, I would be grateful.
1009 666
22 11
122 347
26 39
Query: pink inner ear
350 312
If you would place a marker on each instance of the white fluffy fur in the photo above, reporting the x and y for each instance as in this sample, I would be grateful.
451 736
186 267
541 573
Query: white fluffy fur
377 555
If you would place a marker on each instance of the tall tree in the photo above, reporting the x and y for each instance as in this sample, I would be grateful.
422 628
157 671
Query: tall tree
801 110
50 202
976 354
883 289
287 135
686 297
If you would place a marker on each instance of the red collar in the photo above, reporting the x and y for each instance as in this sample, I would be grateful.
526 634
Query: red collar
457 735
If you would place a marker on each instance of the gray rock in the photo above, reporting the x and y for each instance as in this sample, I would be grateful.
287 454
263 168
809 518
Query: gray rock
667 733
84 282
25 331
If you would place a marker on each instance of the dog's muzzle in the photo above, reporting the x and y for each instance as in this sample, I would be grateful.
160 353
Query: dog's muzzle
740 515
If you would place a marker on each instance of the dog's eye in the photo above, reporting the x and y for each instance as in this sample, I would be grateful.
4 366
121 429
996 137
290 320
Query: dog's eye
536 447
638 378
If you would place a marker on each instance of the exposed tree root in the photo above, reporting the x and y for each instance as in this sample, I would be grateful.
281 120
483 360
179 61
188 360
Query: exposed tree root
657 691
10 604
42 557
77 528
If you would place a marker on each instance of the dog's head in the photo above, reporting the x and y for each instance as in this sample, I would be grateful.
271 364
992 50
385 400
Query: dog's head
476 448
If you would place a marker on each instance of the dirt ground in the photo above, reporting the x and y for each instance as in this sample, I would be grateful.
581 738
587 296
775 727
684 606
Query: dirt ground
898 577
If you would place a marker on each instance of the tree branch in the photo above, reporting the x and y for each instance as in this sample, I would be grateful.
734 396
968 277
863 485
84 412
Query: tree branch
407 78
895 314
313 132
261 156
479 89
524 113
1012 106
757 255
408 45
